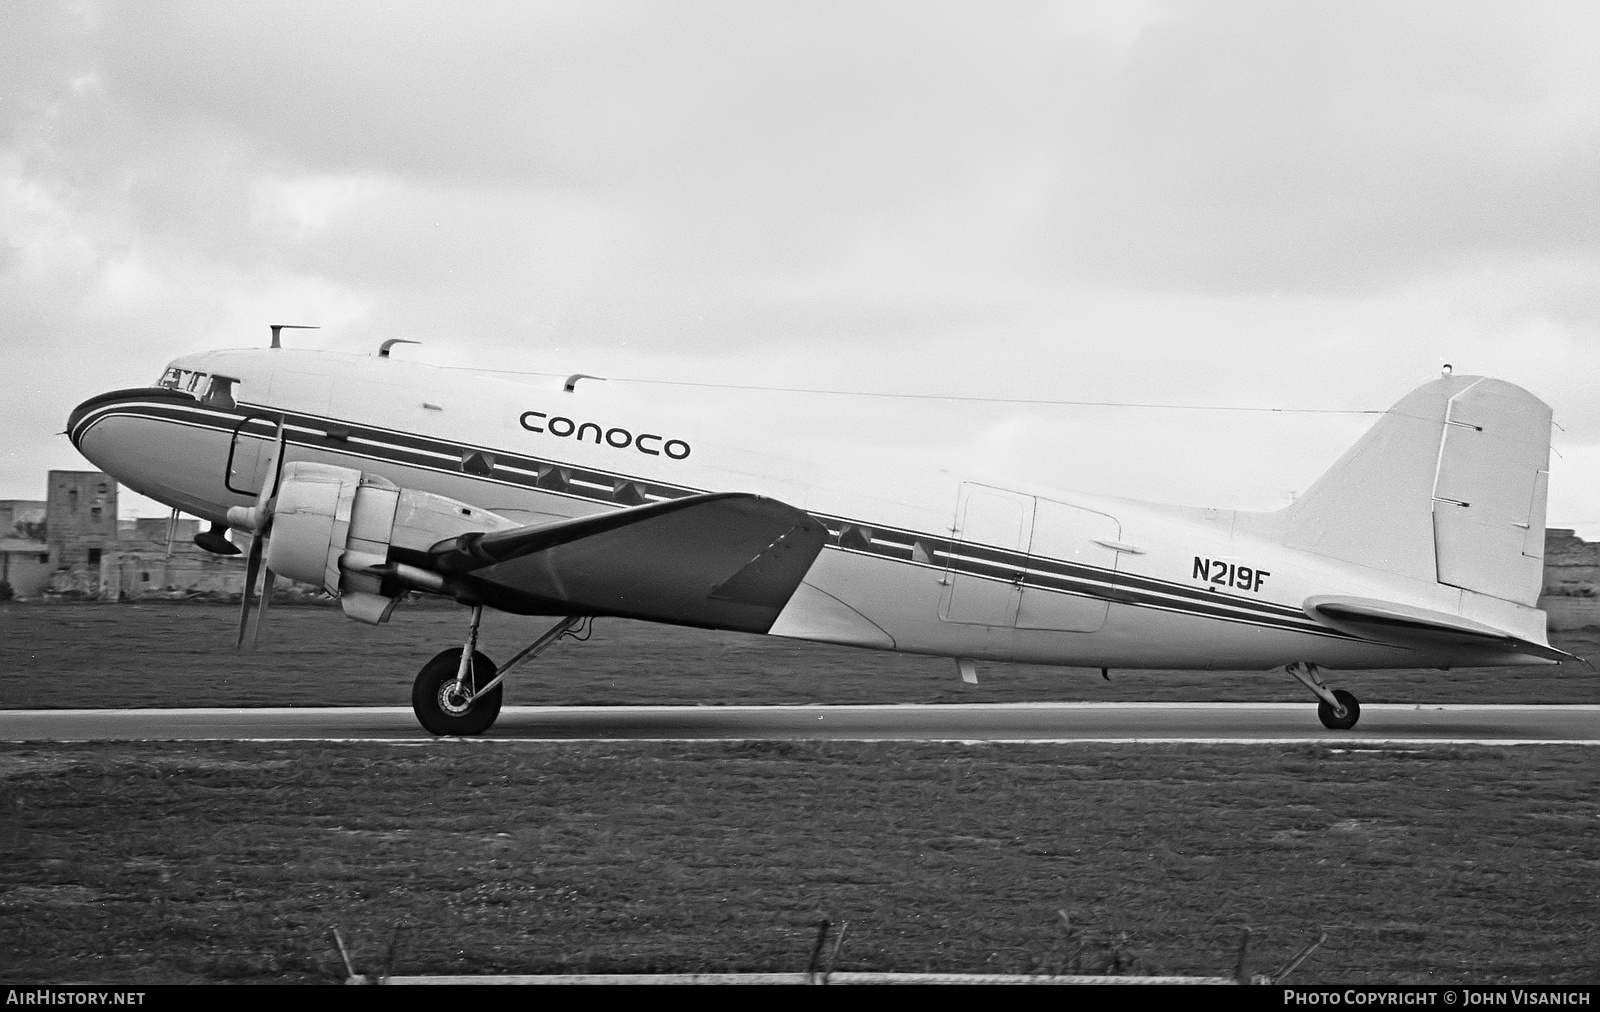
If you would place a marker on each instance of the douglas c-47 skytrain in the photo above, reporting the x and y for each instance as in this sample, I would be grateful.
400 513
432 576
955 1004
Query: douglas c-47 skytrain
374 478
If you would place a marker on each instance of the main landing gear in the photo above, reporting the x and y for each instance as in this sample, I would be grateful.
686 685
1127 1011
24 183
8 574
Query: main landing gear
1338 709
458 692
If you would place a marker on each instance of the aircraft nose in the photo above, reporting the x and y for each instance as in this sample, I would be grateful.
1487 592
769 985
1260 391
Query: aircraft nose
160 443
75 419
76 426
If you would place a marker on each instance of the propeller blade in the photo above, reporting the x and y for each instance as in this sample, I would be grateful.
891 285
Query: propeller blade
258 520
252 570
268 577
269 488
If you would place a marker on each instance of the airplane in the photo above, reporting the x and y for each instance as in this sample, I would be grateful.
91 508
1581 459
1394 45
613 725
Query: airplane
376 478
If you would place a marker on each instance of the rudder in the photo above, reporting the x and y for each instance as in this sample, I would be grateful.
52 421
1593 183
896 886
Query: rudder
1490 491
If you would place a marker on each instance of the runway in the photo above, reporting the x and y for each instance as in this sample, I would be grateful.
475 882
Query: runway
1195 723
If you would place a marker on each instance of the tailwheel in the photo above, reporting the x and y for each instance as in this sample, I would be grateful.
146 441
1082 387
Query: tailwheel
446 704
1328 715
1338 709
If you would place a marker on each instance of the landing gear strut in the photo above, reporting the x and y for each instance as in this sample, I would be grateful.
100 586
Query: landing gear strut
458 692
1338 709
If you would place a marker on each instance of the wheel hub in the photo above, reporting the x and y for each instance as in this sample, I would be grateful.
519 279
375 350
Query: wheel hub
455 698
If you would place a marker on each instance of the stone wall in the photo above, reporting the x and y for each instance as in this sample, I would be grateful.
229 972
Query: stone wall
25 565
1571 594
143 567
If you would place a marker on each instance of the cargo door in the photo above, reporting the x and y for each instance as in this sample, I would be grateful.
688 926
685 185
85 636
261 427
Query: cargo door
1065 554
990 548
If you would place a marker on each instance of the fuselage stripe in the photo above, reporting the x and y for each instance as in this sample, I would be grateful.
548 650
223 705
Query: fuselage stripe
856 537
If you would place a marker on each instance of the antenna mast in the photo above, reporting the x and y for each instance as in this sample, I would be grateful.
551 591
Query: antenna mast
279 327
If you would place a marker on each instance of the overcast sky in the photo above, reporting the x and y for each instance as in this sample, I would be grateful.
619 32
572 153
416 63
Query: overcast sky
1236 204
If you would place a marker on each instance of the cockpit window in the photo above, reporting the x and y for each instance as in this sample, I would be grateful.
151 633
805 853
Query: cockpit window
207 388
183 379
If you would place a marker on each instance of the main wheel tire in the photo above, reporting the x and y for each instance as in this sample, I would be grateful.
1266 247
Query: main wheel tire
1352 711
436 702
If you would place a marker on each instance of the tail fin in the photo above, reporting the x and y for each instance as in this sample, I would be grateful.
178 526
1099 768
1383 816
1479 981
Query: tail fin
1448 486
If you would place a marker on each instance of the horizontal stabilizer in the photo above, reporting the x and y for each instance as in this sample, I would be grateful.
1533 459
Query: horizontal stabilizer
1407 626
726 560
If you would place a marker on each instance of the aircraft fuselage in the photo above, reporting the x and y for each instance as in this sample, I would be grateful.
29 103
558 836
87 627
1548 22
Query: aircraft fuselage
921 562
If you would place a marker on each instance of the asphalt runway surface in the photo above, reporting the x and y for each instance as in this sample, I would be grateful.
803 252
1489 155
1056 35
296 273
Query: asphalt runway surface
1197 723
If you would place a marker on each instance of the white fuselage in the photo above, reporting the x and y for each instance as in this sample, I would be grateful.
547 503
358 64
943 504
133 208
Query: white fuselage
920 562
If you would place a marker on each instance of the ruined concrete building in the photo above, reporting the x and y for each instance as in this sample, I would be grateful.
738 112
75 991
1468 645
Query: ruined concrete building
75 547
24 556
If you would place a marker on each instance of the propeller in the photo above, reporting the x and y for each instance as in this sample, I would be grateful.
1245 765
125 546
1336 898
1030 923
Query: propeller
257 520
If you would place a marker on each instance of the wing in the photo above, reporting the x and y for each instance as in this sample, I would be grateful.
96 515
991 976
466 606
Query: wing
1407 626
726 560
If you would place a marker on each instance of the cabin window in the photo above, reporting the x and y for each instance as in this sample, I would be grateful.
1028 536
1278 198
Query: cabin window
220 393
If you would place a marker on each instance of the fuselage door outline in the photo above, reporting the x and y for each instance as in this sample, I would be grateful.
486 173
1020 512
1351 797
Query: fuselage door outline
246 453
983 584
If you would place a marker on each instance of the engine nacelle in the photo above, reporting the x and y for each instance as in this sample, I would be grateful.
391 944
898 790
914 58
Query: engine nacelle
332 524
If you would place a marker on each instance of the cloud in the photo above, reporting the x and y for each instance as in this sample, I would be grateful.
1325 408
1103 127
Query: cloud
1345 147
1239 203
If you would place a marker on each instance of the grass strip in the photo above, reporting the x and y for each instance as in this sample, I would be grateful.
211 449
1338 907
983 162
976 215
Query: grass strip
166 862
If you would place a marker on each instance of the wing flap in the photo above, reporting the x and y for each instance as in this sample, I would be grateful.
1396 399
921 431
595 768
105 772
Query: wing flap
1409 626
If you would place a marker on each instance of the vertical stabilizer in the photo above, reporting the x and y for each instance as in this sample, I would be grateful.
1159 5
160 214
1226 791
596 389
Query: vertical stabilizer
1448 486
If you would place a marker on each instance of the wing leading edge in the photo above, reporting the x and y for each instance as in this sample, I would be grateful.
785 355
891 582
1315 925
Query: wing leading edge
726 560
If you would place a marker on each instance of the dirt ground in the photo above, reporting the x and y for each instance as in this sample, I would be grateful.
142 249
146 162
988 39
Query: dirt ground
172 654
